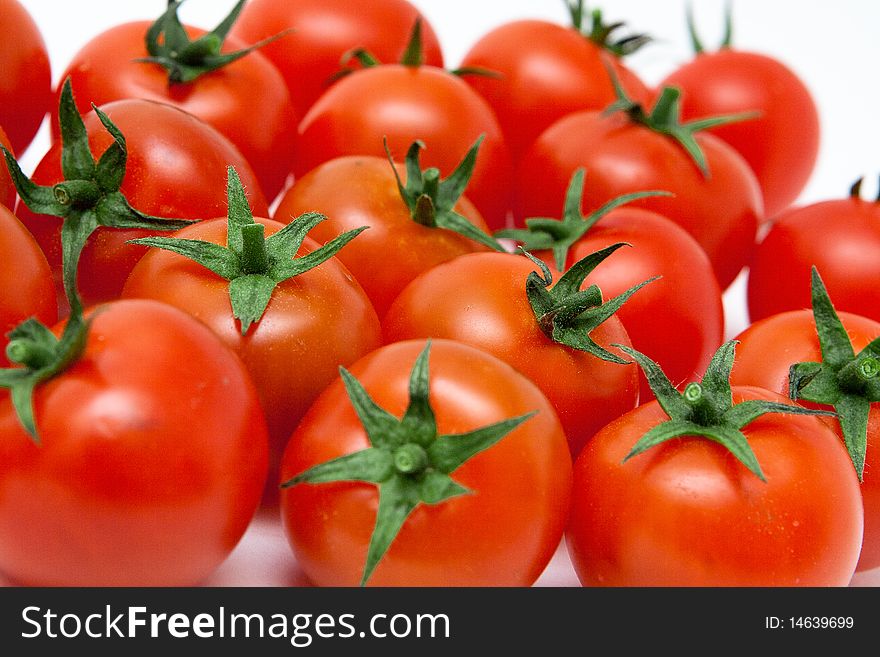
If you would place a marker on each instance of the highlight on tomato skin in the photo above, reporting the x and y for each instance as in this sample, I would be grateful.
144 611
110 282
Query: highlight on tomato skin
520 486
312 56
151 460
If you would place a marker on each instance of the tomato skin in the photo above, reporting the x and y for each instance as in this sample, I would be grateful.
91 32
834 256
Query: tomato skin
781 145
395 249
679 318
521 484
26 83
480 299
245 101
176 168
324 31
314 323
404 104
26 287
7 189
767 351
687 513
560 72
720 211
151 464
841 238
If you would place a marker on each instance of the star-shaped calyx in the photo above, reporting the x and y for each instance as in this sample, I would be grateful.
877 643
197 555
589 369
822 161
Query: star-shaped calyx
847 381
408 459
706 408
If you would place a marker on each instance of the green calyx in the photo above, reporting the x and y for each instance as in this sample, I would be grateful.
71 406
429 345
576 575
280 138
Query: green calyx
665 119
185 60
567 314
602 34
40 356
706 408
847 381
407 459
413 56
431 201
855 192
89 196
697 43
559 235
253 264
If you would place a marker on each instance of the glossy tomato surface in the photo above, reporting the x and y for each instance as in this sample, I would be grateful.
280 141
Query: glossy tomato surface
687 513
503 534
678 318
405 104
246 101
480 299
176 168
26 82
841 238
544 72
781 143
7 189
357 191
151 463
720 211
314 323
26 287
324 31
767 351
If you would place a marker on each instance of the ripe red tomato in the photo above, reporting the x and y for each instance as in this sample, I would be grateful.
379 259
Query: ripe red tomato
246 101
26 82
767 351
151 461
396 248
720 210
26 287
781 144
176 168
324 31
480 299
520 485
840 237
687 513
7 189
405 104
545 71
314 323
679 318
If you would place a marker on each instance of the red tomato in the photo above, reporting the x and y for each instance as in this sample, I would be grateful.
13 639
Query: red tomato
396 248
406 104
314 323
781 144
480 299
546 71
324 31
521 485
679 318
26 82
151 463
770 347
26 287
687 513
246 101
841 238
176 168
7 189
720 210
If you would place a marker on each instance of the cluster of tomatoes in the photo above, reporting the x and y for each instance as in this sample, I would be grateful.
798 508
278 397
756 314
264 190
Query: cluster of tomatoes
441 319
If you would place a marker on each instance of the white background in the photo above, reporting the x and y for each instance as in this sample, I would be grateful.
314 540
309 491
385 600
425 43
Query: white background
833 46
